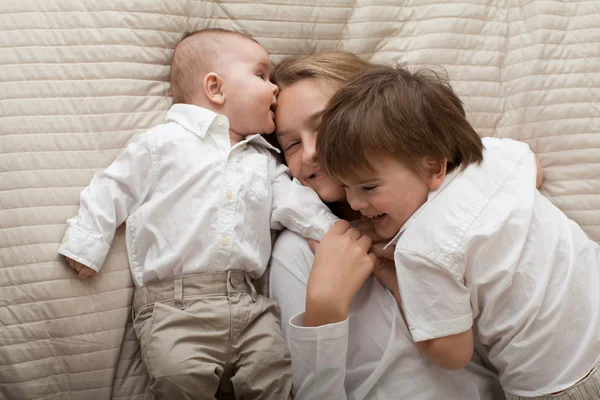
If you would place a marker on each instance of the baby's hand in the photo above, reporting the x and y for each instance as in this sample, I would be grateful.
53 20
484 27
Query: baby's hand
82 271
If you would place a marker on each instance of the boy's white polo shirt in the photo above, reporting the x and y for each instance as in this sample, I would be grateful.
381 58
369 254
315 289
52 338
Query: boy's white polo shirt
488 250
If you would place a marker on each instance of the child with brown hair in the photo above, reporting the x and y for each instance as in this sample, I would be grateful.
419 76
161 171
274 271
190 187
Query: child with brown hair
480 254
200 194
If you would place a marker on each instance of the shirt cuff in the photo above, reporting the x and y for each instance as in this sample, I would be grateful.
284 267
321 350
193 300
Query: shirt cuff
329 331
84 247
321 226
435 330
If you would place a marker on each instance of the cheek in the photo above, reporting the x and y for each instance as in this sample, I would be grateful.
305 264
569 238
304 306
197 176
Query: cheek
294 164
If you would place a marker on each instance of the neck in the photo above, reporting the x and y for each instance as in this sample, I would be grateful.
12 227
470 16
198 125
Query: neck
344 211
235 137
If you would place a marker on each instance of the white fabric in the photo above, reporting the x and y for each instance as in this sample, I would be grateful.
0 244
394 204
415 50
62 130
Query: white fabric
488 247
192 202
368 356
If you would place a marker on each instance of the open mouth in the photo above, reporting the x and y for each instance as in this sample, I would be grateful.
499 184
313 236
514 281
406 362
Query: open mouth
376 217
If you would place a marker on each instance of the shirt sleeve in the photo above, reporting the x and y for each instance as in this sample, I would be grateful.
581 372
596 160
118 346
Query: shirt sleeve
435 300
297 207
110 198
318 353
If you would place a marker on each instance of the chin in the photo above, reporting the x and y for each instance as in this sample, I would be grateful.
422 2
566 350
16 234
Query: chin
386 231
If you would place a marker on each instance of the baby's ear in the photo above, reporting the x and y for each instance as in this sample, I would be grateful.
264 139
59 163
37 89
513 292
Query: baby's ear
213 88
435 172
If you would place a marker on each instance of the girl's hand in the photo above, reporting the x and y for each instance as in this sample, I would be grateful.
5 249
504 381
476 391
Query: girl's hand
342 264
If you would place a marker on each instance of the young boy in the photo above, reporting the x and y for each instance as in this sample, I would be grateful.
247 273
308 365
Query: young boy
479 251
200 194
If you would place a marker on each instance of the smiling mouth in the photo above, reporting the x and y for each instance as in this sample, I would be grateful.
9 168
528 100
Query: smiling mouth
376 217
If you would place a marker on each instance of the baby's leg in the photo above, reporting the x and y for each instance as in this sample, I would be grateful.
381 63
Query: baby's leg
263 364
184 349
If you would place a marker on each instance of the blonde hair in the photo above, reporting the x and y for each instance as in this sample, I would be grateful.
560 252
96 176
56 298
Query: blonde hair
193 58
395 112
335 67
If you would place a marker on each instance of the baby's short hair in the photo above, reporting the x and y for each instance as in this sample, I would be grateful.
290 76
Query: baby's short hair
393 111
194 56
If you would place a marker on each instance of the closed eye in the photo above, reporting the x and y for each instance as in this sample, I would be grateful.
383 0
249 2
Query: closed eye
290 146
367 188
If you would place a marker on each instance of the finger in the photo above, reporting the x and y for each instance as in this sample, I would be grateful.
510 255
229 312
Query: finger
77 266
86 272
353 233
70 262
378 249
372 260
364 242
313 244
340 227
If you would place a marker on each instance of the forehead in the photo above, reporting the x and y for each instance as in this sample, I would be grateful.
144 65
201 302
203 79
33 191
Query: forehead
299 101
246 49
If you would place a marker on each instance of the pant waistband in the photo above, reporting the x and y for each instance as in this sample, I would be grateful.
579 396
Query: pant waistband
194 285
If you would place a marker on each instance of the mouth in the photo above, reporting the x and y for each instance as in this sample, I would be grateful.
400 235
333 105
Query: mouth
376 217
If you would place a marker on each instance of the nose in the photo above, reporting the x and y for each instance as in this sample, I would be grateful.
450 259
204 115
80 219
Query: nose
275 89
356 202
309 148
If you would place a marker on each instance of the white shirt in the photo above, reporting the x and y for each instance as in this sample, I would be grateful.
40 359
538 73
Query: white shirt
488 250
192 202
370 355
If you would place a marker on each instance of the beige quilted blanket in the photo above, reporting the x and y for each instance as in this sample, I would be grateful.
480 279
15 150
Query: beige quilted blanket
78 78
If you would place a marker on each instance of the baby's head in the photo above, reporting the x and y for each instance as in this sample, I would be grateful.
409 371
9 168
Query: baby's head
391 137
228 73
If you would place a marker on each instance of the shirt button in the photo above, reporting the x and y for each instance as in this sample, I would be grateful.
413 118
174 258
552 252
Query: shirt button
220 121
229 195
224 240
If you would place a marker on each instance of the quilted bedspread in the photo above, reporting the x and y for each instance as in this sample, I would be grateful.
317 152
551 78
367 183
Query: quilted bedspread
79 78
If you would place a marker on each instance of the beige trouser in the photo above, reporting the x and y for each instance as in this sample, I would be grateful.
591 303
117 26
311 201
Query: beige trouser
586 389
203 335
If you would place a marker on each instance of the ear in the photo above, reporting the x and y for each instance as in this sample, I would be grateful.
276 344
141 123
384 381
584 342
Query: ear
435 172
213 88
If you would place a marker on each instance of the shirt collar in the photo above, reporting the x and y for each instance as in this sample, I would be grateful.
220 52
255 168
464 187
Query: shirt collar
199 120
193 118
432 195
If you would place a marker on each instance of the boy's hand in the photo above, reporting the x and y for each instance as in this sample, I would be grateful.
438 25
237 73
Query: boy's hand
82 271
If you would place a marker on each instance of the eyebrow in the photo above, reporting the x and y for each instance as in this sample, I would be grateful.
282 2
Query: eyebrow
316 115
264 64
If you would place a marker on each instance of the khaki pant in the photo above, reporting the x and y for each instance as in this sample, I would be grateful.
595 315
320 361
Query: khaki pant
207 334
586 389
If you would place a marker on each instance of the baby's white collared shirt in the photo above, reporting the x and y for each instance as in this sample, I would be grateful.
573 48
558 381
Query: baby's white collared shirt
192 202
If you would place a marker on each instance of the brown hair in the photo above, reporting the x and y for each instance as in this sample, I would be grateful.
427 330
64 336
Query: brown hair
193 58
385 110
336 67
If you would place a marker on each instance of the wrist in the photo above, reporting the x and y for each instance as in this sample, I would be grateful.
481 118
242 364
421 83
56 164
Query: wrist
323 311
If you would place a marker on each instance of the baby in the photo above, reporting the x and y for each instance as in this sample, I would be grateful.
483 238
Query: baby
481 256
200 194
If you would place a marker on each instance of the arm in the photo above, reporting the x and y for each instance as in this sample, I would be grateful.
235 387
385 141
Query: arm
112 195
318 353
297 207
451 352
318 338
437 308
